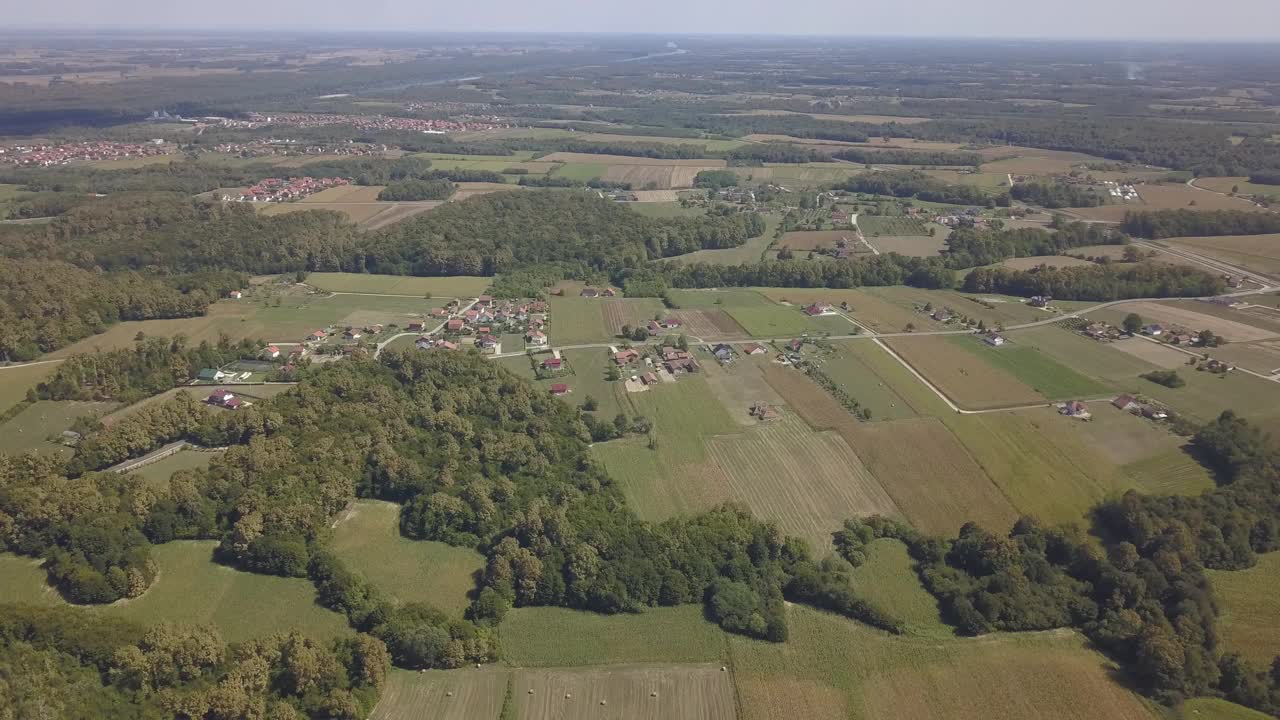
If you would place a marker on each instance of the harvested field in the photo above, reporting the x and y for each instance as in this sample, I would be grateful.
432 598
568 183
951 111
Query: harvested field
708 324
367 538
1251 621
345 194
640 692
636 312
1262 357
1041 469
560 637
741 385
439 287
817 239
472 189
930 475
832 667
1166 197
397 212
356 212
656 196
807 482
1170 314
656 177
1173 472
570 157
807 399
32 428
865 307
1260 253
1155 353
443 695
967 379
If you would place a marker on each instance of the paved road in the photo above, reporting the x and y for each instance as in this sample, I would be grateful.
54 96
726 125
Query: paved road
432 331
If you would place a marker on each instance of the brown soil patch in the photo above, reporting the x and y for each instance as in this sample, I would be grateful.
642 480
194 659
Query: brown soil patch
708 324
1154 353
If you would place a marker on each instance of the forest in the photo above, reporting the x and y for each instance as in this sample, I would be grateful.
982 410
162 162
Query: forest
1158 224
1051 194
910 183
1097 282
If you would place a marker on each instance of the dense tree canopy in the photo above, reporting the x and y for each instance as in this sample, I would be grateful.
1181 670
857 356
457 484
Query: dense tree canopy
1158 224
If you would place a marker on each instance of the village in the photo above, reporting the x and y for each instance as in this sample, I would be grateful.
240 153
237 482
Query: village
52 155
365 122
284 189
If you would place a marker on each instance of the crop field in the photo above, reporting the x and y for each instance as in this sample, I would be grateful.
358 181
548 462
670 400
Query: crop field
159 472
1086 356
559 637
1251 621
1166 197
678 476
1037 370
866 308
1031 161
708 324
1151 353
877 225
970 381
888 579
641 692
443 695
985 180
33 427
1041 469
817 239
577 320
913 245
658 177
636 312
359 213
367 537
191 588
807 482
439 287
779 320
580 171
1260 253
848 370
807 399
16 380
833 668
1263 357
1173 472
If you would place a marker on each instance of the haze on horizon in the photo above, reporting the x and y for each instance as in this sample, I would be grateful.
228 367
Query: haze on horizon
1136 20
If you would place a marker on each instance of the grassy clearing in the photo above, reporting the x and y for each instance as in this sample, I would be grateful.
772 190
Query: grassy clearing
450 694
588 380
1043 470
159 472
33 427
461 286
807 482
679 476
1216 709
1123 437
1173 472
1042 373
558 637
750 251
15 381
582 172
667 210
888 579
849 370
836 668
22 580
1250 622
969 380
368 539
577 320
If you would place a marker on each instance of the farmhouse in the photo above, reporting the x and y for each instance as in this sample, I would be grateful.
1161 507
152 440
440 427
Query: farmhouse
559 389
993 339
755 349
723 353
416 326
352 334
536 337
1126 402
235 295
818 308
484 300
670 323
622 357
437 313
488 343
423 342
764 411
649 378
224 399
589 292
271 352
654 328
1040 301
454 325
318 336
554 364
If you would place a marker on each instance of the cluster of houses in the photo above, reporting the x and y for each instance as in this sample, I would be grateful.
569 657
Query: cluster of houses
1121 192
486 320
43 155
1102 331
431 126
284 190
271 147
973 215
590 292
1128 403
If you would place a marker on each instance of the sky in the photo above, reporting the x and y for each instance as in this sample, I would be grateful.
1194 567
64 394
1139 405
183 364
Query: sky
1138 20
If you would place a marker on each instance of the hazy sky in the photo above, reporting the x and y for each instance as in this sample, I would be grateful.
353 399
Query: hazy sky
1114 19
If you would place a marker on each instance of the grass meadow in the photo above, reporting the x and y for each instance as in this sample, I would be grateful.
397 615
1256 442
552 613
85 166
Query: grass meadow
577 320
559 637
1037 370
1250 622
159 472
16 380
969 380
367 538
34 426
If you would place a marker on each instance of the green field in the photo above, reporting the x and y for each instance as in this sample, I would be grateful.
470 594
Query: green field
588 379
581 172
888 579
1206 395
758 315
1173 472
33 427
1250 621
557 637
191 588
368 540
1216 709
1039 371
750 251
159 472
16 380
847 368
577 320
832 667
445 287
677 477
1089 357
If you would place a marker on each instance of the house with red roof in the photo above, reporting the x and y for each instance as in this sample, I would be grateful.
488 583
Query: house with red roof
559 389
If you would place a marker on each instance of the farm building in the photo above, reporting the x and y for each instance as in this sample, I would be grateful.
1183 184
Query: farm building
755 349
235 295
654 328
649 378
589 292
484 300
423 342
417 326
1075 409
210 374
223 398
271 352
1126 402
622 357
552 364
671 323
723 353
818 308
536 337
993 339
454 325
318 335
559 389
764 411
352 334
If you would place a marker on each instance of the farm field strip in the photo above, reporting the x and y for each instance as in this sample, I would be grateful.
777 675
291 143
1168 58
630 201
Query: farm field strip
1232 330
641 692
449 694
966 379
1040 372
560 637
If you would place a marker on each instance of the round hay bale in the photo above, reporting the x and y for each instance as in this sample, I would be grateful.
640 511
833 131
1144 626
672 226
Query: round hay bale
449 694
653 694
530 691
568 695
604 702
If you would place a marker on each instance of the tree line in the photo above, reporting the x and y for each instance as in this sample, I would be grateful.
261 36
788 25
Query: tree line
1055 194
899 156
913 183
1156 224
1097 282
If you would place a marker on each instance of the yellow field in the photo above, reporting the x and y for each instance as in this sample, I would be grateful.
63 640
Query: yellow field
963 376
1260 253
